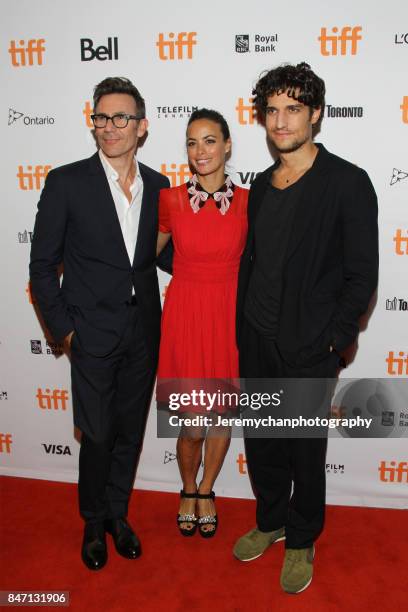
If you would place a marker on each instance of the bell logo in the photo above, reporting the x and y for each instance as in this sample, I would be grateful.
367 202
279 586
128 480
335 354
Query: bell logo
348 39
184 44
30 179
246 112
392 473
397 366
28 291
56 399
88 111
241 461
101 53
5 443
404 108
177 174
27 55
401 243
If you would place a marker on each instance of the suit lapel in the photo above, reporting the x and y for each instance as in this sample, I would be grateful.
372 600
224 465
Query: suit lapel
106 209
148 217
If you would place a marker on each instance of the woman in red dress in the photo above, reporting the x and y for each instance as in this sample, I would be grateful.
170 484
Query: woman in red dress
207 220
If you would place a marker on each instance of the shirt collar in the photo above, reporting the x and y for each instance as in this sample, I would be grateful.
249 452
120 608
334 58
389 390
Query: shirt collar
111 172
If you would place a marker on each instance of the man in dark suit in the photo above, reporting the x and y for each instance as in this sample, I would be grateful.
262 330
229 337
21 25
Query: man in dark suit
307 274
98 217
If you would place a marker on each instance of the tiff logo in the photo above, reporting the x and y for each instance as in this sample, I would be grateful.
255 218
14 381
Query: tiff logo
30 179
5 443
87 112
246 112
395 365
101 53
242 462
395 474
404 108
348 39
184 44
55 399
401 243
27 55
177 174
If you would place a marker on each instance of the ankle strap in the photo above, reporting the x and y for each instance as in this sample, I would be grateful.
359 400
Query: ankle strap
206 495
188 495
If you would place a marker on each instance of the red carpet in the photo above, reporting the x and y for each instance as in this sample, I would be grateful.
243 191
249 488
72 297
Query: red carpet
360 559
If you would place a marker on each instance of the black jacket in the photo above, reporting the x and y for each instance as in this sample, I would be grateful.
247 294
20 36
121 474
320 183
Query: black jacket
331 264
77 225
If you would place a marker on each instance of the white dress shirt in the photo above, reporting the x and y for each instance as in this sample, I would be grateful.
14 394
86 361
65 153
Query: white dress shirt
128 213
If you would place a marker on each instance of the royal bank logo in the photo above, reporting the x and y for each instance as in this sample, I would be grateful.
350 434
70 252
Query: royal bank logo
3 395
344 112
175 112
102 53
25 237
242 43
169 457
387 418
51 348
403 419
14 116
258 43
335 468
396 304
398 176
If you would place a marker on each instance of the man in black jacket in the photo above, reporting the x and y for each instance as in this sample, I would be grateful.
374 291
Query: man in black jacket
307 274
98 217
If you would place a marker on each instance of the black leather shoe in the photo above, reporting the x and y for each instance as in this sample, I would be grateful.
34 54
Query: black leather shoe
94 552
126 541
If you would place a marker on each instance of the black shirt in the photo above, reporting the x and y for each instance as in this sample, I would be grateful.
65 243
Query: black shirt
273 226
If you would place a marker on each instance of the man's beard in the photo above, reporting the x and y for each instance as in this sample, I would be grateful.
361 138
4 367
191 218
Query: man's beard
290 147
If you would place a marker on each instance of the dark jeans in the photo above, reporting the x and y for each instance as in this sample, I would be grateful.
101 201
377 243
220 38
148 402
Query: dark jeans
111 397
288 475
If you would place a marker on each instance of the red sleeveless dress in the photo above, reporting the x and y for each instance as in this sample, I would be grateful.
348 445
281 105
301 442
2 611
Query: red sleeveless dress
198 323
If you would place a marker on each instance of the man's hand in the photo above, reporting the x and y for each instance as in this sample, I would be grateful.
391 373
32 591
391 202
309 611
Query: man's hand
68 340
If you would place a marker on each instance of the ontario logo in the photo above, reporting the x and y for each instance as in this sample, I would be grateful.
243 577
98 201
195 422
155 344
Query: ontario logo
14 116
398 176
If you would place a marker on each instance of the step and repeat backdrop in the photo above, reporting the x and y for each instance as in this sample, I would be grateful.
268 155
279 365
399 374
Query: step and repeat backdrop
181 56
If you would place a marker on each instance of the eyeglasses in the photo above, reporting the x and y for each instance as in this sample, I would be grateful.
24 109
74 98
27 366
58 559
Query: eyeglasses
120 120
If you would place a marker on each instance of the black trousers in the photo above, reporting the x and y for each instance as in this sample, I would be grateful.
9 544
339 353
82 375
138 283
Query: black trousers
288 475
111 397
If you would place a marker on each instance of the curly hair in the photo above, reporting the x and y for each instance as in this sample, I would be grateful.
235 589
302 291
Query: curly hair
299 82
120 85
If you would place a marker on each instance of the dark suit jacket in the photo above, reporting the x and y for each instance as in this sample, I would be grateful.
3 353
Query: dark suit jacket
331 265
77 225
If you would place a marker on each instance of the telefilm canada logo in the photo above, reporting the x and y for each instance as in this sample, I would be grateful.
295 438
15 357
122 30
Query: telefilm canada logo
398 176
50 348
15 116
344 112
335 468
257 43
181 111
